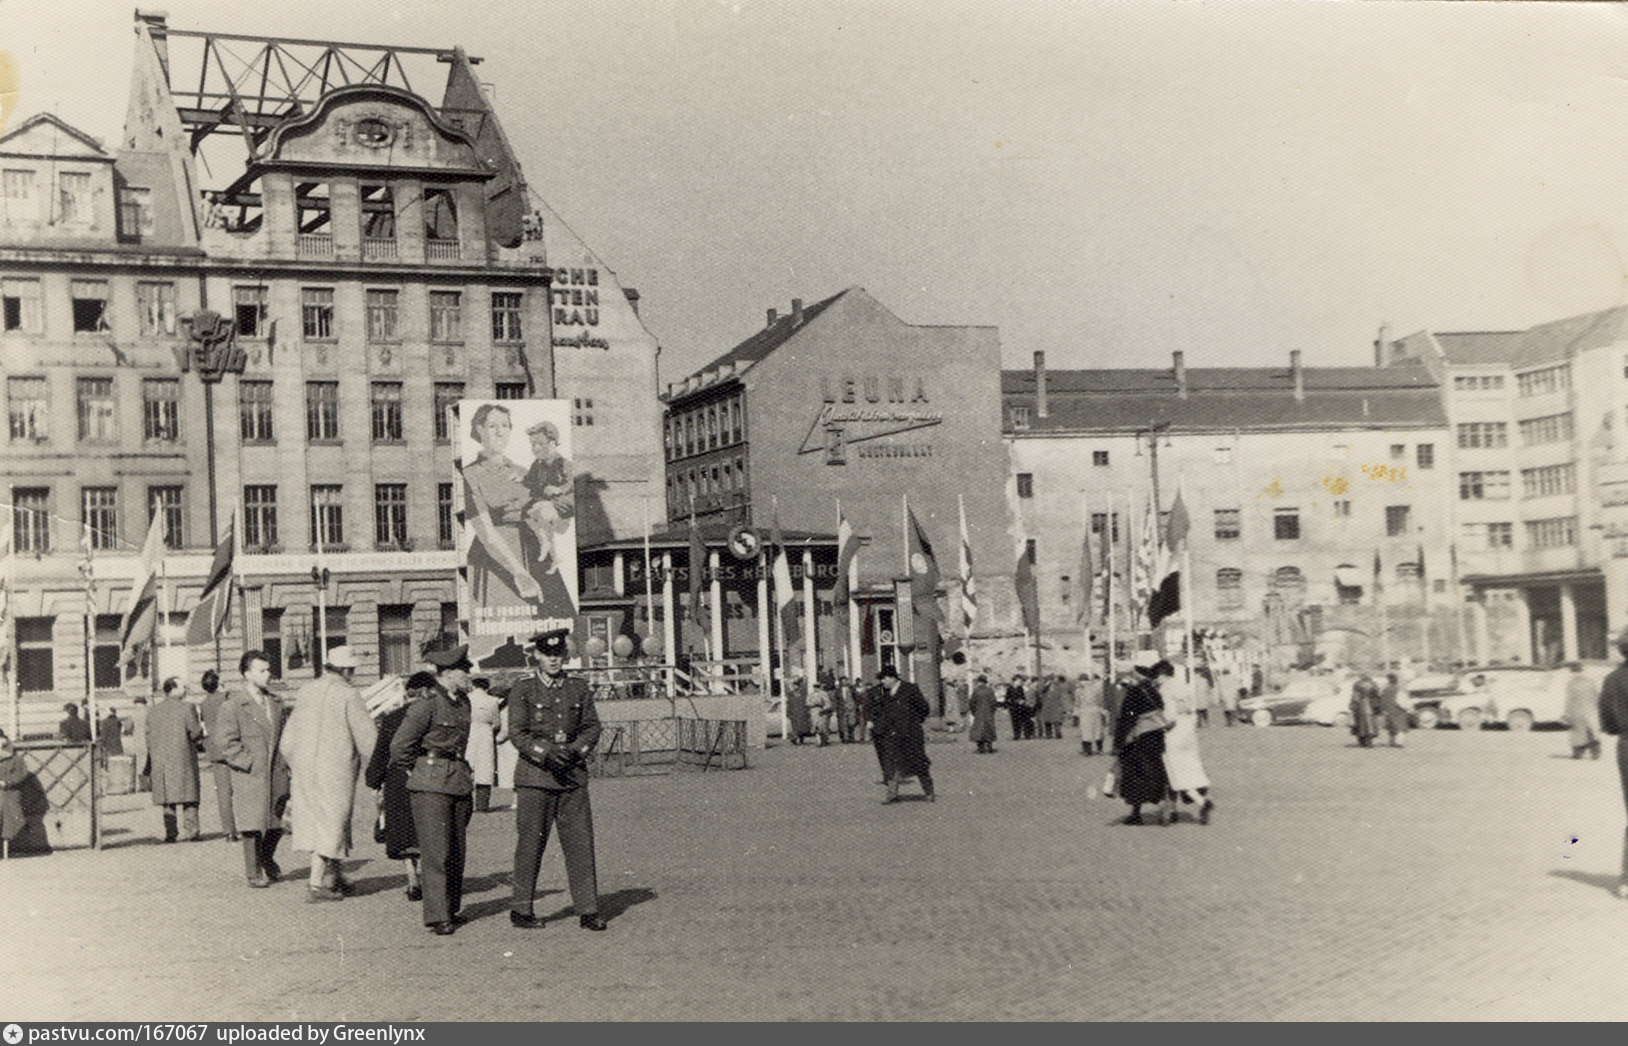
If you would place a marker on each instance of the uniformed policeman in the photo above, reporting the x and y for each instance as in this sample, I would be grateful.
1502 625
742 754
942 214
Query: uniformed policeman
431 741
553 724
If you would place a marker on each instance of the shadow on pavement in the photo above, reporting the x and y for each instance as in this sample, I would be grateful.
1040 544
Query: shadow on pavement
1608 883
611 905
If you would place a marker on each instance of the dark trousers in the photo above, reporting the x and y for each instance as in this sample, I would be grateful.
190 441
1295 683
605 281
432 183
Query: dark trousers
223 798
535 810
260 852
189 820
443 826
483 798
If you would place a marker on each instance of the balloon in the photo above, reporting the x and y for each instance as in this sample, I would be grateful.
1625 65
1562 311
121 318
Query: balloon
651 645
623 646
594 647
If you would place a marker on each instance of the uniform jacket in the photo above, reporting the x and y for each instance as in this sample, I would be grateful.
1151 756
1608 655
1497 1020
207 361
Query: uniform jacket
327 735
431 741
248 739
542 717
173 732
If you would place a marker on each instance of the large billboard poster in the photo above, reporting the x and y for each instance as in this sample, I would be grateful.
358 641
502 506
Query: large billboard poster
519 537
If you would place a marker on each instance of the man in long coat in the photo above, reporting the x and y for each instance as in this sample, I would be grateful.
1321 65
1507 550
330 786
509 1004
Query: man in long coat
250 724
172 737
327 736
983 715
897 711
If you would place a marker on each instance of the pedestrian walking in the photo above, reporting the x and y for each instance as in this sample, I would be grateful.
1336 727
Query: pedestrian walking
846 709
819 714
1017 708
1189 784
487 730
1093 718
1054 700
136 729
554 725
798 722
429 745
394 827
250 726
1139 739
109 736
208 709
173 736
1392 714
1613 705
897 711
1365 699
982 705
326 737
1582 714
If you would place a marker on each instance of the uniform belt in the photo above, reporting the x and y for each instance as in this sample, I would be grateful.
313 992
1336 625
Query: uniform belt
445 756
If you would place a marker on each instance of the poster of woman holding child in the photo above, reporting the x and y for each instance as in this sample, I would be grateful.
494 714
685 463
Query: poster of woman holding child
519 534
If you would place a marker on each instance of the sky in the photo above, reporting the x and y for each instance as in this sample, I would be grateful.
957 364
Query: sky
1103 182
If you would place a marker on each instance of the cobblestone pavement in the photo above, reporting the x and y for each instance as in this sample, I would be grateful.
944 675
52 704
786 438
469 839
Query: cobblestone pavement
1464 877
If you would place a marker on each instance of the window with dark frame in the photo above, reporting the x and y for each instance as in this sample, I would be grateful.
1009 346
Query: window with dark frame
165 504
1025 484
260 516
1286 524
317 313
28 404
31 519
161 410
387 427
506 316
327 516
509 390
155 306
446 316
445 535
99 511
390 515
322 410
21 305
383 309
249 306
98 412
89 306
36 654
447 395
1397 518
254 412
1228 524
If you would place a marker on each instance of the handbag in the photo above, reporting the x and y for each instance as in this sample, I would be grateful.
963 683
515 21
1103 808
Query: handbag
1149 721
378 827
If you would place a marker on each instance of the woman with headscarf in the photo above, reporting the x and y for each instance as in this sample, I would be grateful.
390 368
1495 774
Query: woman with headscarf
1188 781
389 783
1139 739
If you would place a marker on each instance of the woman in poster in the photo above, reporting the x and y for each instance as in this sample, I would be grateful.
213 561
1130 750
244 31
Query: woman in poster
496 499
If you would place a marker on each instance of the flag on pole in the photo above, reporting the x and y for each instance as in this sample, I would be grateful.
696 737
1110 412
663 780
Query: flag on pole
847 545
1028 592
1087 577
1166 595
1144 561
6 563
1378 584
698 560
213 612
141 619
785 596
923 570
969 588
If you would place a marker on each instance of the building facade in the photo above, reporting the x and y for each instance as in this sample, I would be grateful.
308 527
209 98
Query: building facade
842 403
279 346
1313 495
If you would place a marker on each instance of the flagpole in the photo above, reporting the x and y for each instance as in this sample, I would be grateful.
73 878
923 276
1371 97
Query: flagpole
765 649
8 550
779 599
898 622
1458 608
966 618
811 657
649 591
1109 611
166 603
844 653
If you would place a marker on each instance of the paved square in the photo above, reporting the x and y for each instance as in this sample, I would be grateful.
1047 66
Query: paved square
1467 876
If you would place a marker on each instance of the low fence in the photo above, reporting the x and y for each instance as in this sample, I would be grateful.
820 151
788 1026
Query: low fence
58 797
658 745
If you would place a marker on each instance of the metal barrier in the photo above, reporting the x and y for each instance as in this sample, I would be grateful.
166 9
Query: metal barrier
68 778
656 745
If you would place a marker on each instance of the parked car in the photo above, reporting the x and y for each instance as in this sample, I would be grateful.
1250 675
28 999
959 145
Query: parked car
1309 699
1423 695
1517 697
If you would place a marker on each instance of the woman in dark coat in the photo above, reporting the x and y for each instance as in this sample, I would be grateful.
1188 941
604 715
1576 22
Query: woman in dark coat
1139 739
390 782
799 724
983 715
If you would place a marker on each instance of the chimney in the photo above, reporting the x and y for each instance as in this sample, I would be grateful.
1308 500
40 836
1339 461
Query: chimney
1299 374
632 297
1179 365
773 316
796 311
1040 384
158 31
1382 345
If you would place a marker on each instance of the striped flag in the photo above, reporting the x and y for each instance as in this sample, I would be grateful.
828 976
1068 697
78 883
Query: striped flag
785 596
1165 598
698 563
847 546
1028 591
209 618
141 619
1087 576
969 588
7 559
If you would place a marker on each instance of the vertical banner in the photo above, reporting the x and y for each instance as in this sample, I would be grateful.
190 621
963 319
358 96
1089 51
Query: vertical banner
518 544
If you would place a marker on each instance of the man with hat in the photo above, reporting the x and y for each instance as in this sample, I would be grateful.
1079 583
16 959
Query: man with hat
431 742
325 740
897 710
1614 720
554 726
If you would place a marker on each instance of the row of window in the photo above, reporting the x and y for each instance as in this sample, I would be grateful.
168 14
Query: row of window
36 645
1560 532
100 516
1494 435
72 201
1229 523
28 407
1494 484
22 310
696 431
683 488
